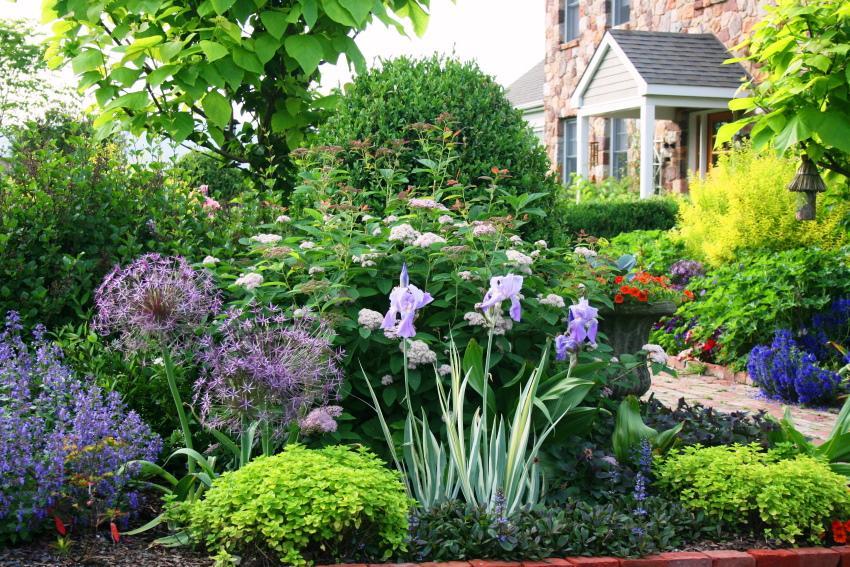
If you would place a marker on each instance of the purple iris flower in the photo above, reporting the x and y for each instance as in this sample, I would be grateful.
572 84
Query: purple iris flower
405 301
503 288
582 327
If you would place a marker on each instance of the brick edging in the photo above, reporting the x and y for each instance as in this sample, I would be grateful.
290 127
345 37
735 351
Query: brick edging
716 370
797 557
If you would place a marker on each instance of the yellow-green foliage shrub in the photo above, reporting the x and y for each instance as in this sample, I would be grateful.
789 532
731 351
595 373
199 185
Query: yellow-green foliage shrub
302 506
743 203
741 486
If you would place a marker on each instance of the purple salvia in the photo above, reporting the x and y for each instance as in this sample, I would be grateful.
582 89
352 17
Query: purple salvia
155 301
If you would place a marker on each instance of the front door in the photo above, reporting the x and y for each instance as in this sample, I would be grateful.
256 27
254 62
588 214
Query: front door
715 121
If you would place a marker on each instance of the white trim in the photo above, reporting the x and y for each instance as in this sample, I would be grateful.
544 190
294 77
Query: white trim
582 138
631 103
536 105
692 141
608 42
693 91
691 102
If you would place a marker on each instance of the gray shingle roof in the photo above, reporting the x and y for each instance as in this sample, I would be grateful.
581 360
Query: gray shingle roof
529 87
686 59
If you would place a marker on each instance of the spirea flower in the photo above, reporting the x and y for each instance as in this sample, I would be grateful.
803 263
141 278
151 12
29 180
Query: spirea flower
210 261
211 205
481 228
267 238
498 322
283 219
516 239
390 219
405 300
159 300
466 275
320 420
444 369
521 261
553 300
417 203
370 319
386 380
251 280
584 251
541 244
655 353
428 239
403 233
307 245
315 270
418 353
504 288
367 259
266 367
445 219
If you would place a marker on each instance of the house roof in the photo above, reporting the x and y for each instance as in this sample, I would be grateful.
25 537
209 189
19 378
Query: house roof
528 89
663 58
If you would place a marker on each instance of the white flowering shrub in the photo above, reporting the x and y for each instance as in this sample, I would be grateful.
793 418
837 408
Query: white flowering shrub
340 261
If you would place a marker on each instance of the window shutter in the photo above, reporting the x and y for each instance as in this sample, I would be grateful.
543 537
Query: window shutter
562 17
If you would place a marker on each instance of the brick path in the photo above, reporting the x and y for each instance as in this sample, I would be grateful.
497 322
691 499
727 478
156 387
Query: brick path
724 395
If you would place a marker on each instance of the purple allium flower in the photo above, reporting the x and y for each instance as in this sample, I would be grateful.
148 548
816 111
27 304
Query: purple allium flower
405 301
504 288
62 440
156 299
320 420
266 367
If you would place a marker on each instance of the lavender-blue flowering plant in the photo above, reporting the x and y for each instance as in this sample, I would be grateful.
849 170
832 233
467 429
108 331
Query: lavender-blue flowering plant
63 440
405 301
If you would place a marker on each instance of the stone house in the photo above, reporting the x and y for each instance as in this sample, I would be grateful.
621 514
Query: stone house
615 69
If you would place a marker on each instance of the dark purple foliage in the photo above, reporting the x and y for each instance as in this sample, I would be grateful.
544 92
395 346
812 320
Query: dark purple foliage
784 371
684 271
156 301
267 367
62 440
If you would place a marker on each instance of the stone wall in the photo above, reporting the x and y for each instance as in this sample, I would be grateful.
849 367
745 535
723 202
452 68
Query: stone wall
730 20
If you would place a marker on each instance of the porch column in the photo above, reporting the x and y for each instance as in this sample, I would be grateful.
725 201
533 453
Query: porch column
647 149
703 144
582 137
693 151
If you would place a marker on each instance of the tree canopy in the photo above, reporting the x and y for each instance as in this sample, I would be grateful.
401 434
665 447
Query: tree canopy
231 76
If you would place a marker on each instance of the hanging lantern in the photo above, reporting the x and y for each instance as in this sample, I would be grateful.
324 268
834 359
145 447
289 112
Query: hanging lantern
808 182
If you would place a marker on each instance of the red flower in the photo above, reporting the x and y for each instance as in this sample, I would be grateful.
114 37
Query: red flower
839 533
625 289
60 525
709 345
618 280
619 298
689 295
642 296
113 529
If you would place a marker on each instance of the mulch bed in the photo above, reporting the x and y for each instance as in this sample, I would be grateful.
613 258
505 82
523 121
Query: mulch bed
136 551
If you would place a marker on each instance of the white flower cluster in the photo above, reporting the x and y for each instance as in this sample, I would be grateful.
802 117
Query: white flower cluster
501 324
417 203
541 244
316 270
584 251
445 219
250 281
428 239
444 370
267 238
302 312
307 245
482 228
210 261
552 300
386 380
516 240
418 353
535 254
369 319
466 275
404 233
366 217
283 219
366 260
521 261
376 231
655 353
390 219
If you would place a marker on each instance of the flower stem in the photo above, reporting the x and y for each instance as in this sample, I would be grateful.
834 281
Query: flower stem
245 442
171 378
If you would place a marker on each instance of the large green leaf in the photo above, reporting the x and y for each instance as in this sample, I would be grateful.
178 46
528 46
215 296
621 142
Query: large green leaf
87 60
131 101
213 50
359 9
274 21
247 60
265 46
222 6
630 429
217 108
305 49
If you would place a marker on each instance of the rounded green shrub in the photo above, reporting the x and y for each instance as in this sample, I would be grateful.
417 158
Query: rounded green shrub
305 505
789 500
607 219
391 102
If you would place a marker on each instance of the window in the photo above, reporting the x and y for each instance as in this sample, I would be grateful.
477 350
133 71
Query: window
620 12
619 148
570 31
567 148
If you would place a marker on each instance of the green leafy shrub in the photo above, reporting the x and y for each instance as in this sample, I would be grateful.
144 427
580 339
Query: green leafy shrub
789 500
304 505
744 204
71 207
746 301
383 105
656 250
607 219
198 168
606 189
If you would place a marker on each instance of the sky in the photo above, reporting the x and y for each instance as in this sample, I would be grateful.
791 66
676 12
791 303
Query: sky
505 39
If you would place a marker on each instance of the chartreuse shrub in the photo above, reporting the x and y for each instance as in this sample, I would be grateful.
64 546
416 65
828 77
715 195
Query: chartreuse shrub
740 485
744 204
399 99
607 219
302 506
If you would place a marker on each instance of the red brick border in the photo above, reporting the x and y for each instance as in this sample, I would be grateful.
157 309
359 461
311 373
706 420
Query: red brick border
799 557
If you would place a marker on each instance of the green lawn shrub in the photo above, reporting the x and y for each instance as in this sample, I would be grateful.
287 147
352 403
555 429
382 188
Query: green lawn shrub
304 505
742 486
607 219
